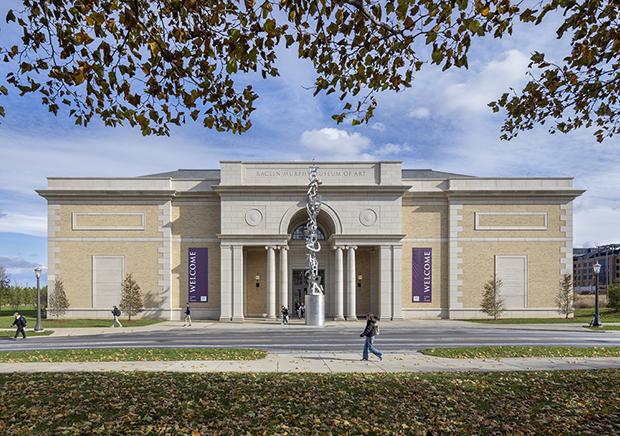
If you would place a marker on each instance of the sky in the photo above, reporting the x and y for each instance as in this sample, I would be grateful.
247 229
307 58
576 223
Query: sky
442 123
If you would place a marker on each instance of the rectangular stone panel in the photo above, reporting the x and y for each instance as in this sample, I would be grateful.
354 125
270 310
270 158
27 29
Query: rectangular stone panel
107 221
511 221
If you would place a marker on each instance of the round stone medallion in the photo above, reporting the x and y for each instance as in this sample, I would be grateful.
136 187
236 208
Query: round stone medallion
253 217
368 217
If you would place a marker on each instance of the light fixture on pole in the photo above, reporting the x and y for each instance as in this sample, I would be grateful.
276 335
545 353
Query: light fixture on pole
38 327
596 322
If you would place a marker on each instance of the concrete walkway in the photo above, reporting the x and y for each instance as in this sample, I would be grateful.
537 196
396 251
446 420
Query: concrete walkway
270 325
327 363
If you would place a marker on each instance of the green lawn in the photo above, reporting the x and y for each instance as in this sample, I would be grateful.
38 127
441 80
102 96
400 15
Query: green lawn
131 354
6 319
496 352
579 402
29 332
582 316
605 328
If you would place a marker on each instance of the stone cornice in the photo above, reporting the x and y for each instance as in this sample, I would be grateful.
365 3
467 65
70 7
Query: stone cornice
103 194
392 189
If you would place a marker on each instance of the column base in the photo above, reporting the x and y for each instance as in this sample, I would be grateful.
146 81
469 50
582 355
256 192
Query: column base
339 318
351 318
234 319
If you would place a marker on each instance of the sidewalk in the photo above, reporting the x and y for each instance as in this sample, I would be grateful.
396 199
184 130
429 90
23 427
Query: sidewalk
253 324
327 363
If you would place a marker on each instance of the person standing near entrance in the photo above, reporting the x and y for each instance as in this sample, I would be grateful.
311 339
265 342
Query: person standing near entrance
116 312
371 330
188 316
284 312
20 323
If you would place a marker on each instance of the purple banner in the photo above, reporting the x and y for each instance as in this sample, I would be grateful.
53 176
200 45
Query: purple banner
198 275
422 275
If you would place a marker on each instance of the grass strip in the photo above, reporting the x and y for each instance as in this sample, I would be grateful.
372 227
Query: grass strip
582 316
497 352
562 402
604 328
11 333
130 354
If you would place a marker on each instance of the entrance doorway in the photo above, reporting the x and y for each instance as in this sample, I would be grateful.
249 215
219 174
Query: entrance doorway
300 287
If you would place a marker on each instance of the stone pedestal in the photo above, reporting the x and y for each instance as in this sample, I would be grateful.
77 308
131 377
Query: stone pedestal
315 310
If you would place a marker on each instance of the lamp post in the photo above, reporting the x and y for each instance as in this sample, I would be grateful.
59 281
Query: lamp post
596 322
37 326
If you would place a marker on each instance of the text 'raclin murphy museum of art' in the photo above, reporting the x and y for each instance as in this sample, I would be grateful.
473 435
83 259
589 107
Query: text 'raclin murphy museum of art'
401 243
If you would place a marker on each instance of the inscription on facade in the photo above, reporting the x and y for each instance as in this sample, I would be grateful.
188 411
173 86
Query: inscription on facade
303 173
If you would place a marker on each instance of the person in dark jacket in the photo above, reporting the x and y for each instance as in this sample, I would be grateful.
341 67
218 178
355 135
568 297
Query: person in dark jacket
370 332
188 316
20 323
284 311
116 312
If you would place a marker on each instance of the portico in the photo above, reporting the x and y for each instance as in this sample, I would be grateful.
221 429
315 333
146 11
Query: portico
263 253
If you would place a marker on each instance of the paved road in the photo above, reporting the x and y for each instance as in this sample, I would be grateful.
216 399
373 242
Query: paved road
401 339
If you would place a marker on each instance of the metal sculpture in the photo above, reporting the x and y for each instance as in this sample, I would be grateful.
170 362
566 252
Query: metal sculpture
312 236
315 298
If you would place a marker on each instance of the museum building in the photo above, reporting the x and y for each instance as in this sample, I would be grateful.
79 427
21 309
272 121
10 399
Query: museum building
401 243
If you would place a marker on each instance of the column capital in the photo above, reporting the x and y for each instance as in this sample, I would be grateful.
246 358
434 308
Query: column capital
351 247
270 247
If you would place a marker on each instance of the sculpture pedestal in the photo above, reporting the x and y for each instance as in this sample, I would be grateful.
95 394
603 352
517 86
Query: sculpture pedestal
315 310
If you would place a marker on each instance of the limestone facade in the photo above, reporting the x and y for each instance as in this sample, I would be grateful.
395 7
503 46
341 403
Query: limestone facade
248 215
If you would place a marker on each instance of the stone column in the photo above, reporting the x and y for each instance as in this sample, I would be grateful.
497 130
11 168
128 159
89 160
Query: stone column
271 282
385 282
284 276
397 282
351 314
339 289
226 282
238 285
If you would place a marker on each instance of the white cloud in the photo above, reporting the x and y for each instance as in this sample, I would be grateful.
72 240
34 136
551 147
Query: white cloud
330 143
393 149
378 126
26 224
419 113
493 79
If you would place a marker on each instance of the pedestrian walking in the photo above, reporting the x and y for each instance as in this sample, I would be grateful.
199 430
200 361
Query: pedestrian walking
371 330
20 324
297 310
284 311
302 310
116 312
188 316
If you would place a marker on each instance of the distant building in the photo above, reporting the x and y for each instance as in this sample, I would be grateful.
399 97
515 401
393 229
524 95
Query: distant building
608 256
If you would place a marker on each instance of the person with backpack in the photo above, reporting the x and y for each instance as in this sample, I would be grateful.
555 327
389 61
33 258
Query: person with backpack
284 312
188 316
371 330
20 323
116 312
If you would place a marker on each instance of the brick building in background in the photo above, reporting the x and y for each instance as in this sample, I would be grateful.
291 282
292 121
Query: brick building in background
608 256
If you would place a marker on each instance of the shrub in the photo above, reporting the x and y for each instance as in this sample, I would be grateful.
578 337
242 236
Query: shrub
613 297
565 296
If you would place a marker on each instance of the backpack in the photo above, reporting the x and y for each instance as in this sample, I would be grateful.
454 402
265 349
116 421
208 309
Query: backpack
24 322
116 312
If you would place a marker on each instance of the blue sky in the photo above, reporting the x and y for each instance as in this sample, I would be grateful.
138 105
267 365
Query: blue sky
441 123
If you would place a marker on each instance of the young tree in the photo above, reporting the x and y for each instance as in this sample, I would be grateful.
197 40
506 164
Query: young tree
492 302
131 297
613 296
157 63
5 283
565 298
58 302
